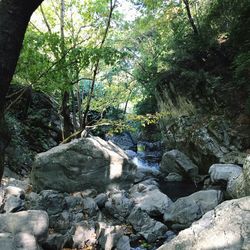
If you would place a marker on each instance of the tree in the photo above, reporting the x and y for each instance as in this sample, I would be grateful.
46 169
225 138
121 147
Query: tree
14 19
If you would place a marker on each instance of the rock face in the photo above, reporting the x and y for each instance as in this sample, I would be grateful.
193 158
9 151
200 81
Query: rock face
35 127
240 186
82 164
225 227
208 139
186 210
175 161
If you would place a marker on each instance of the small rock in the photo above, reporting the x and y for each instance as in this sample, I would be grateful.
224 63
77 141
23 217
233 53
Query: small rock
101 199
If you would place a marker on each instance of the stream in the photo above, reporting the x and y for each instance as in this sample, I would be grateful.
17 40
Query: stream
150 160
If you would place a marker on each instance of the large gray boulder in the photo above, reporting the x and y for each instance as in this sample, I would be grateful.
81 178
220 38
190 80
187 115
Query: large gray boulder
224 172
175 161
23 230
82 164
238 179
186 210
150 199
225 227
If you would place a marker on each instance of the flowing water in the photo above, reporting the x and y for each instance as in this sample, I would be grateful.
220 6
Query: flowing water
151 161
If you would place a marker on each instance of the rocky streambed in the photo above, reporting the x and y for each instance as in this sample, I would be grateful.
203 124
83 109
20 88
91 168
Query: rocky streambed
91 194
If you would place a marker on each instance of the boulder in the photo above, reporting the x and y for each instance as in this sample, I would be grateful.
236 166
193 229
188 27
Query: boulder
224 172
124 141
14 199
19 241
175 161
119 205
145 226
114 241
82 164
182 213
237 178
152 201
26 225
225 227
84 235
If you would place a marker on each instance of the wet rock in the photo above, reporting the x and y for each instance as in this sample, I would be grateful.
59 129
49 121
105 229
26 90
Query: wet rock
182 213
82 164
145 226
225 227
124 141
174 177
175 161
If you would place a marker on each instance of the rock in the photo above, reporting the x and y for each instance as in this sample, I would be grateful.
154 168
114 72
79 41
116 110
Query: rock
55 241
237 178
145 173
239 186
124 141
182 213
90 208
84 235
225 227
61 222
123 243
224 172
174 177
82 164
145 226
13 204
35 127
234 157
7 241
14 199
175 161
154 202
101 199
2 194
205 139
32 222
119 205
114 241
20 241
26 241
49 200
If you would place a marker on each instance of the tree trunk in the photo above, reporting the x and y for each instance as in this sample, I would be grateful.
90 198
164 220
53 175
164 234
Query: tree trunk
96 66
14 19
67 124
190 18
